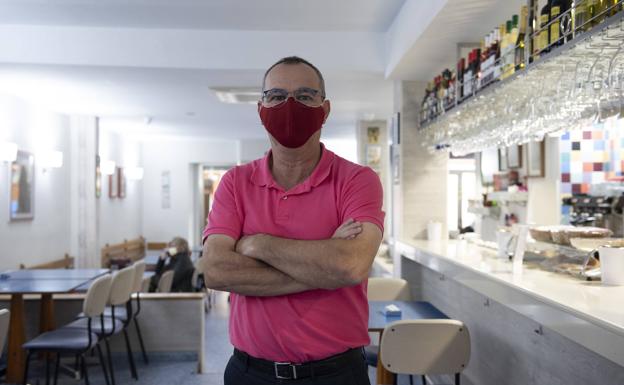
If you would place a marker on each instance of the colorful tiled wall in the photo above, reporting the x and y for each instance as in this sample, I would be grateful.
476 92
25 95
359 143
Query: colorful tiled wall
593 155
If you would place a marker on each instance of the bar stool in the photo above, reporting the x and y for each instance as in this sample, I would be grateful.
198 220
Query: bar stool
432 346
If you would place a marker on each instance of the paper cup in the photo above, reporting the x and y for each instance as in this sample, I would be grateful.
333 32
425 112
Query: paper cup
612 265
434 231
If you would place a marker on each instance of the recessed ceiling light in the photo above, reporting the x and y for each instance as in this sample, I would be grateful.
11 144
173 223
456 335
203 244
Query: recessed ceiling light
237 95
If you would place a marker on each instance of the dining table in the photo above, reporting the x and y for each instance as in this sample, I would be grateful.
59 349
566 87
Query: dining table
44 282
378 320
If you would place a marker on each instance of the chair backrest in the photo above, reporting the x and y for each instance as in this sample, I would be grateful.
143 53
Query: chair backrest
388 289
5 317
139 269
199 269
431 346
165 282
121 287
97 296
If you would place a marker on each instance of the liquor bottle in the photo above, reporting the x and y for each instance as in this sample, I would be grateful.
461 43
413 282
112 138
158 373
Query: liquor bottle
595 8
615 7
532 29
557 7
461 67
581 16
544 36
510 61
520 44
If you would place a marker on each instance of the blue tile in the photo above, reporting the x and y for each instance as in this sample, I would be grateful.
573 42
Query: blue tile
599 145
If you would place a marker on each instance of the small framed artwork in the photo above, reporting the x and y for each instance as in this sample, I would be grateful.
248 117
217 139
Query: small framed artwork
22 187
514 157
121 183
112 185
373 156
98 177
502 159
535 159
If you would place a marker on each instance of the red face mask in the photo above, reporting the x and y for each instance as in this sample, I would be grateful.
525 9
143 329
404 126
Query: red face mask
292 123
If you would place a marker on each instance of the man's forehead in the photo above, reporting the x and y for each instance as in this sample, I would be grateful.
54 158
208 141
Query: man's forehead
289 73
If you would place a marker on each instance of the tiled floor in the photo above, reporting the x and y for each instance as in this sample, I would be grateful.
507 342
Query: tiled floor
181 369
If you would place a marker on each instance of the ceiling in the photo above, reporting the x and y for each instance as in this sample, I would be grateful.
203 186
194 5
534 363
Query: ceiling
181 102
280 15
132 61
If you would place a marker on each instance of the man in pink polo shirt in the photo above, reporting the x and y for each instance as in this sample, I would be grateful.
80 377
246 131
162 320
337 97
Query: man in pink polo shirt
293 236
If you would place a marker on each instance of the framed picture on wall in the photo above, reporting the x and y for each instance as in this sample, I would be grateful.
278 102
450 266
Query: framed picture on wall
121 183
535 159
502 159
514 157
98 177
112 185
22 187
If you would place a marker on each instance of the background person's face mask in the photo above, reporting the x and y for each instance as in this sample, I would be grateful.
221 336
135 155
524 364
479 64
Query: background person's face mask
292 123
172 251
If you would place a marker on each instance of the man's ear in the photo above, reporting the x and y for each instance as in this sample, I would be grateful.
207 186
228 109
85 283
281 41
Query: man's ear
327 109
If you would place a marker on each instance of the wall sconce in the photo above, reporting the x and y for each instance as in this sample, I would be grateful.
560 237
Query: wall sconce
51 159
108 167
8 152
134 173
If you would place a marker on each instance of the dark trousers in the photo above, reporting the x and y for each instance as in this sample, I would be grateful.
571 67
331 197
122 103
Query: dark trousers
238 373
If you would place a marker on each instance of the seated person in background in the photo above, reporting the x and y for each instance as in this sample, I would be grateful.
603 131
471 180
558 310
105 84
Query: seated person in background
177 257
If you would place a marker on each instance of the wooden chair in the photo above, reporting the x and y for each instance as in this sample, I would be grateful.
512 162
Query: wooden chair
124 253
431 346
156 245
66 262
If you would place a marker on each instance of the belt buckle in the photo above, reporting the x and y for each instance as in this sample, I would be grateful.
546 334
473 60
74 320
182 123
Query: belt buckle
277 365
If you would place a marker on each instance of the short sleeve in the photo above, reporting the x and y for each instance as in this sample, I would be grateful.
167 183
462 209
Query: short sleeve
224 217
363 198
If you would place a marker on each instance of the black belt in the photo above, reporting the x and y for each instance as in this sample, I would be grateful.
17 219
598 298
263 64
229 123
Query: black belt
290 371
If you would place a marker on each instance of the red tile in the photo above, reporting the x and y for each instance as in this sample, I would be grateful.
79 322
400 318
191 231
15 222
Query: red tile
585 188
588 167
598 166
576 188
587 134
565 177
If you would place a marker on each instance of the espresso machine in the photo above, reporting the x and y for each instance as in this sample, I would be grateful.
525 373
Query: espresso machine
597 211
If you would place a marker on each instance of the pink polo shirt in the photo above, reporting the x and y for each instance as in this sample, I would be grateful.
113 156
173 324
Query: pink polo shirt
315 324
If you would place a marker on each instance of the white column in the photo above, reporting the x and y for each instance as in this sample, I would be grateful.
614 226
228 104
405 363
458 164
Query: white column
84 211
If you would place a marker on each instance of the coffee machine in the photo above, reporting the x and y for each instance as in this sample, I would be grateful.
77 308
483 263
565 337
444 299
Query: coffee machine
597 211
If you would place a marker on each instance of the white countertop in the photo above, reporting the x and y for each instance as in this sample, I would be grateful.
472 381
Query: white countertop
590 304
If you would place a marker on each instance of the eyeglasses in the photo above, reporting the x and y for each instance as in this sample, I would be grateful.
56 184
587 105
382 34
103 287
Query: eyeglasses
308 96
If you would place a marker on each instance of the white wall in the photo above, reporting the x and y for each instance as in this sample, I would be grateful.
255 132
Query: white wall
544 207
47 236
178 156
120 219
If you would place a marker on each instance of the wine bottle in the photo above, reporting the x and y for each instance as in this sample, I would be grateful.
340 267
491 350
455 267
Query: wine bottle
581 16
532 29
615 7
544 36
595 8
557 7
520 44
461 67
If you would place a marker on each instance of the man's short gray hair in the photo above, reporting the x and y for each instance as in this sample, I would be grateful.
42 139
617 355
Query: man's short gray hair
296 60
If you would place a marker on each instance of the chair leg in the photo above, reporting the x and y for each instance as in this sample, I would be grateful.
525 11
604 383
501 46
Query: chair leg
28 356
424 379
411 379
395 379
457 379
56 367
47 360
102 363
84 369
110 362
138 329
130 356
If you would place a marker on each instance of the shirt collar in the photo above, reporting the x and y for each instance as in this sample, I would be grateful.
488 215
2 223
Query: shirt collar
262 176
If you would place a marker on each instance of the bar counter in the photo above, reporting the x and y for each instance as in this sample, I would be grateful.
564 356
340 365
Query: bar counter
553 326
